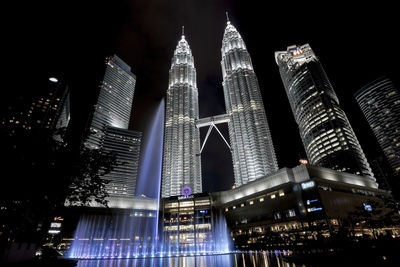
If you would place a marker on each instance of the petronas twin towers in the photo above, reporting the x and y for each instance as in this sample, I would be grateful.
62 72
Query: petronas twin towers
251 144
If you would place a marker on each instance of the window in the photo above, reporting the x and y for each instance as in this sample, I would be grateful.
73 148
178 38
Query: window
291 213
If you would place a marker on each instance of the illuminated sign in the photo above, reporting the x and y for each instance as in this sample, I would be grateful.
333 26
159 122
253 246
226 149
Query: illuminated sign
311 201
203 211
367 207
186 191
296 52
55 225
314 209
54 231
307 184
183 197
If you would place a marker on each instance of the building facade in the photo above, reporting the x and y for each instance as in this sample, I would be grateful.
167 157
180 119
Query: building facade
49 109
253 153
291 207
125 144
380 103
181 158
327 136
109 132
187 223
114 103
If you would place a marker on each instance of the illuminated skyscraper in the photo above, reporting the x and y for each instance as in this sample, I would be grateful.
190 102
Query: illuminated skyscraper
109 128
181 160
253 153
114 103
327 136
49 109
380 103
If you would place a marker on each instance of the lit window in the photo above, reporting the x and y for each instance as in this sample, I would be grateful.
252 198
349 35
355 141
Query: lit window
273 196
281 194
251 202
291 213
261 199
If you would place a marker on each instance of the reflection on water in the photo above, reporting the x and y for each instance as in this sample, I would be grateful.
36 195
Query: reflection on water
250 259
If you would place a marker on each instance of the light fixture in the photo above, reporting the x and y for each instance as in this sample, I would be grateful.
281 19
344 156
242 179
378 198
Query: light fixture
53 79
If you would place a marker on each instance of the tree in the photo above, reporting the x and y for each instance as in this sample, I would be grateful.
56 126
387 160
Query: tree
86 183
42 170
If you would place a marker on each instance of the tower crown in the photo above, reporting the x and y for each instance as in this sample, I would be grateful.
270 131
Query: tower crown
182 53
232 39
295 55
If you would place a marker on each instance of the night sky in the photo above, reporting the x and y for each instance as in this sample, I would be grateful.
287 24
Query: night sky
356 44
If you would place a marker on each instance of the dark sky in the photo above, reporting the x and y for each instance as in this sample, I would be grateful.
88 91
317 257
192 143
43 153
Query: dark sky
355 43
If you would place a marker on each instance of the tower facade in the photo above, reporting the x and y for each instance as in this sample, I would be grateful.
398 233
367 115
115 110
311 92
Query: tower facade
380 103
109 128
181 159
327 136
125 144
114 103
49 109
253 153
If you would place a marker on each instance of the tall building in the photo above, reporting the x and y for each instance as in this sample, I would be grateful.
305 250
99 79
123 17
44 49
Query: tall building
181 160
125 144
109 128
380 103
114 103
327 136
49 109
253 153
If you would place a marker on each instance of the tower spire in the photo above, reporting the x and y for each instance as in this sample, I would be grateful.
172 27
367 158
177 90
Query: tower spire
183 30
227 17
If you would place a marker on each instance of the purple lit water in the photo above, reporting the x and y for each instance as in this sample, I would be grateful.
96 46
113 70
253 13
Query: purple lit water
149 178
251 259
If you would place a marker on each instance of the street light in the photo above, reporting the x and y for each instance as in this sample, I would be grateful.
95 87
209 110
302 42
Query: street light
53 79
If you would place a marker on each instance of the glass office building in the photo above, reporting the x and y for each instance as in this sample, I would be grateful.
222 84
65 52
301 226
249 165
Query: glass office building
125 144
380 103
327 136
109 128
114 103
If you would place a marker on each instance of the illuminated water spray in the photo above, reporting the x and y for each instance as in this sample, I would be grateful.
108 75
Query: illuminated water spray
135 233
128 233
149 180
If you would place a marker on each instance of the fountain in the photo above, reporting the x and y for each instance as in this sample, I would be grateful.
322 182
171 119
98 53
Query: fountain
134 233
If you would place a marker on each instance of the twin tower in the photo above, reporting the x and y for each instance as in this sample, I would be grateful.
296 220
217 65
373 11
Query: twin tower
253 153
